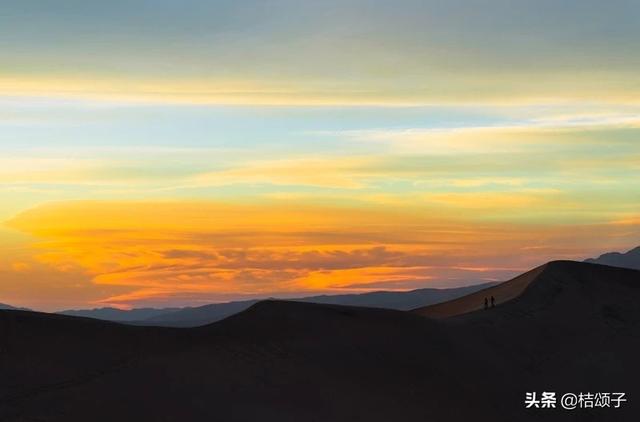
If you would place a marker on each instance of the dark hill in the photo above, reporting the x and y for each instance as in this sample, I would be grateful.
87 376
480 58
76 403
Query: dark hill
574 327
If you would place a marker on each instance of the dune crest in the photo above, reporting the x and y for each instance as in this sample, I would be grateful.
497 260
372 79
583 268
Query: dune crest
502 293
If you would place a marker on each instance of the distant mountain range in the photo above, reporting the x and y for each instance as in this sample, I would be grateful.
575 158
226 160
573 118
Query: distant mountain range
119 315
630 259
6 307
202 315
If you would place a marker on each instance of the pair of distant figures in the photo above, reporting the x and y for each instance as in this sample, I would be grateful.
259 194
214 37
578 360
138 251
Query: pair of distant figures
486 302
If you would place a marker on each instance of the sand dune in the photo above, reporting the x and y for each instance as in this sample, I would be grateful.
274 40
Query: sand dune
573 327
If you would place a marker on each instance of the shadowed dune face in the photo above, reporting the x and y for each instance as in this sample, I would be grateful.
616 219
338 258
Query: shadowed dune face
277 361
575 327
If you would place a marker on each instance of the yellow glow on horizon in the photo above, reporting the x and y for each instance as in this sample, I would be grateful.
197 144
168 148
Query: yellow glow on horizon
136 252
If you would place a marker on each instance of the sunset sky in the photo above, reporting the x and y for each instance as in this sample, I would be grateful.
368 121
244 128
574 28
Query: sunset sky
163 153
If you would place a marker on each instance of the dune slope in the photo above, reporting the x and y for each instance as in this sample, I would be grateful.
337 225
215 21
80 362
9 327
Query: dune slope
575 327
503 292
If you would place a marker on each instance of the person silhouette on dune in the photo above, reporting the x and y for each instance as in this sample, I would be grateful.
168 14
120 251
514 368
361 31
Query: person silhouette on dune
493 302
486 303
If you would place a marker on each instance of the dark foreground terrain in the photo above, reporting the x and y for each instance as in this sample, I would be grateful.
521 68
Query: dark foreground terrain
569 327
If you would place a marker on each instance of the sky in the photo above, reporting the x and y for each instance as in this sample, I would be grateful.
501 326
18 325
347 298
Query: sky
171 153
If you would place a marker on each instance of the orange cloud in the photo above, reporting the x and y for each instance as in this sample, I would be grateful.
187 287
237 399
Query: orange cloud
160 253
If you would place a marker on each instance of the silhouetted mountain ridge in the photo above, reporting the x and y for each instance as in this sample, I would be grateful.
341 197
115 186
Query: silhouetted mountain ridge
4 306
202 315
629 259
206 314
119 315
